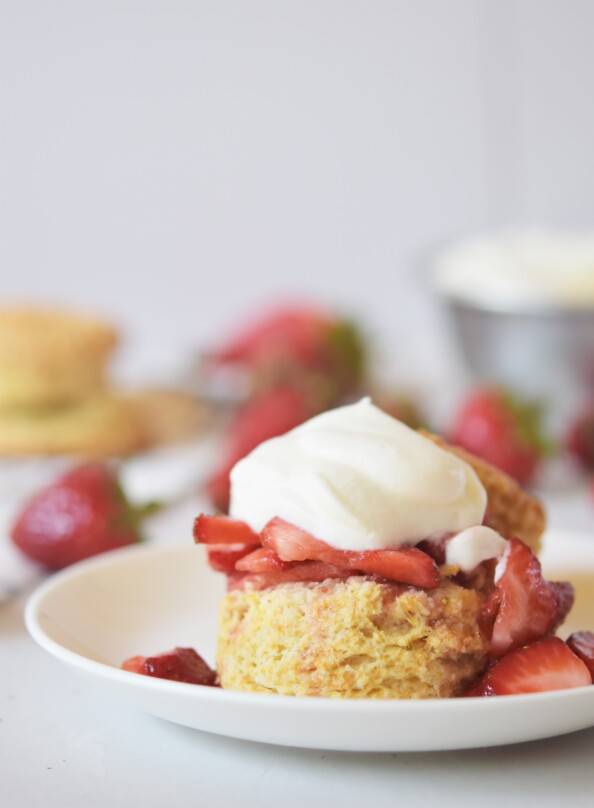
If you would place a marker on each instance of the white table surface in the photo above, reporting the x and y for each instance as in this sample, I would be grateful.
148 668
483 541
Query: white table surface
63 743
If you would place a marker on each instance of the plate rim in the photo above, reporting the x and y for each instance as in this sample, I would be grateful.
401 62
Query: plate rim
33 615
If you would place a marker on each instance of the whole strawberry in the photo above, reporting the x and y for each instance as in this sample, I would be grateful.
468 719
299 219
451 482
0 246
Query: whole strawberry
504 431
579 439
298 343
267 415
82 513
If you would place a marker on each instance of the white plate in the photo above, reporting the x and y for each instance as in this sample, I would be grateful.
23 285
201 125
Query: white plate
147 599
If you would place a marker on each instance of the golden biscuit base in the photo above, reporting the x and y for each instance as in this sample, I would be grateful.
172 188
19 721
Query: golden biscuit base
353 638
50 357
105 426
511 511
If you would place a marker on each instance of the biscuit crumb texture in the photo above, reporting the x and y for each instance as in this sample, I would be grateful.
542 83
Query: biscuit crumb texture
352 639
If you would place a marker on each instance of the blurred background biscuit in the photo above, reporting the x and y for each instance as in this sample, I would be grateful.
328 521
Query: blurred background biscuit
103 426
51 357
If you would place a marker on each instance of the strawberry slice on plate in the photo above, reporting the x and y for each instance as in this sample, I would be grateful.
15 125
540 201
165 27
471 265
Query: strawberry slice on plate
582 644
528 606
178 665
406 565
548 664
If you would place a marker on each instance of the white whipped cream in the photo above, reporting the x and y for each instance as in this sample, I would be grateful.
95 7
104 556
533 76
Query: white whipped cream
474 545
526 269
359 480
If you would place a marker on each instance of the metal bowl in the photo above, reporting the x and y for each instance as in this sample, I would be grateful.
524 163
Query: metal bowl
545 353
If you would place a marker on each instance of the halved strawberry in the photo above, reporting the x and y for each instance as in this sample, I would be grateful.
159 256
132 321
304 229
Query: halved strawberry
548 664
406 565
261 560
582 644
223 530
301 572
179 665
529 606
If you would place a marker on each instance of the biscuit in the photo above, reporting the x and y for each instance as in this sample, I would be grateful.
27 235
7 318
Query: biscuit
511 511
353 639
103 426
50 357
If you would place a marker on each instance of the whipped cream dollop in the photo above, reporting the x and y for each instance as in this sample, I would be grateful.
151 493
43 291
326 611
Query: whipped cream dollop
359 480
472 546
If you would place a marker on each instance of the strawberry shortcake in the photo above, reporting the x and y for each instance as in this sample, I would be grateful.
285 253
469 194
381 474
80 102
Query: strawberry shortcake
365 559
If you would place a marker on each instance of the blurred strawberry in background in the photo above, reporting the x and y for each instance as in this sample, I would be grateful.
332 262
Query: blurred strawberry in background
497 426
297 361
82 513
268 414
579 439
304 345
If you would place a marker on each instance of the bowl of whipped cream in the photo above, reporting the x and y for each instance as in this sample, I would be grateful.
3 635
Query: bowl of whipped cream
521 305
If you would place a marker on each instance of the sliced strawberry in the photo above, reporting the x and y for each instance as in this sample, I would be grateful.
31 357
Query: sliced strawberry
582 644
261 560
290 543
405 565
134 664
489 611
223 530
224 557
548 664
179 665
528 605
302 572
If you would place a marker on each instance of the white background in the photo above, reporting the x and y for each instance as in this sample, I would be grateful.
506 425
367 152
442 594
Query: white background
174 163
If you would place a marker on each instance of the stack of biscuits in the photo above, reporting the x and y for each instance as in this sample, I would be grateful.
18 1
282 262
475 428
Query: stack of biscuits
56 398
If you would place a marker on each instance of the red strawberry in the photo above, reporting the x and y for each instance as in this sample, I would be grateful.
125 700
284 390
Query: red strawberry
579 439
223 530
261 560
405 565
529 607
501 430
224 557
270 414
179 665
227 540
548 664
582 644
81 514
294 331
